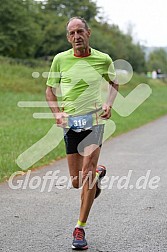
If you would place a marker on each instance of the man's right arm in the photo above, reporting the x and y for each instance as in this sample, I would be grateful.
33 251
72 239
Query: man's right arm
51 98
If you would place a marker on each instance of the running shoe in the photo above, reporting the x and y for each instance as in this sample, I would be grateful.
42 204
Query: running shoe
102 172
79 241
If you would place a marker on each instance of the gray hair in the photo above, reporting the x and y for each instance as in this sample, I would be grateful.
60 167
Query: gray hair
80 18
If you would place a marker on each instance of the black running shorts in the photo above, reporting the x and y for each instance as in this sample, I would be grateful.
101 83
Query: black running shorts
76 141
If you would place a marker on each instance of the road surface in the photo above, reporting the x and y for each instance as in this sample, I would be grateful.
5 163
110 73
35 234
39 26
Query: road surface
129 216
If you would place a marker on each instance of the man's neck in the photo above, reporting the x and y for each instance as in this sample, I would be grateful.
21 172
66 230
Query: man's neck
82 53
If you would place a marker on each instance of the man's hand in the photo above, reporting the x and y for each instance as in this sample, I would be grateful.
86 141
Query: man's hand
107 112
61 119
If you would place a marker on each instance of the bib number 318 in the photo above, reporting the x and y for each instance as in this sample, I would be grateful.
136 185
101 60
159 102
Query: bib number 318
80 122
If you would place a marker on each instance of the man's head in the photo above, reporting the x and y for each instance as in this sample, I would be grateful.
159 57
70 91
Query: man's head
78 33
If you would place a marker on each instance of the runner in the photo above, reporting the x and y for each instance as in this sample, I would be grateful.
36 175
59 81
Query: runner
80 72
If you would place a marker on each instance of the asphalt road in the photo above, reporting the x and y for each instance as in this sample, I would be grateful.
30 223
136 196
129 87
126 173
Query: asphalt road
130 214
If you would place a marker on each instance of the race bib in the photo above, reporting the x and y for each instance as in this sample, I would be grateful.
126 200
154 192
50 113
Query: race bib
80 122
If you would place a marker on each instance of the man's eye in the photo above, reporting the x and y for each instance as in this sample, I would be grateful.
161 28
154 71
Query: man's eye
72 33
80 31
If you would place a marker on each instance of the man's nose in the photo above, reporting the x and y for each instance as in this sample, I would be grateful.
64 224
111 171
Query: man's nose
76 35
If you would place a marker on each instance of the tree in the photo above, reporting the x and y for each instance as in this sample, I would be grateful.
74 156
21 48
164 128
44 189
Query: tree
137 58
110 39
157 59
30 28
68 9
53 36
18 31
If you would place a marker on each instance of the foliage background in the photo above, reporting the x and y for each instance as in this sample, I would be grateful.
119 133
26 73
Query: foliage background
37 29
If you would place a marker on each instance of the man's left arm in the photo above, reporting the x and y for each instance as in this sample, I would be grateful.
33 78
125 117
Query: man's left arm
113 90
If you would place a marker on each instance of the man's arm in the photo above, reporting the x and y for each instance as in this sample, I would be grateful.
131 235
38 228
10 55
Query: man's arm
53 104
113 89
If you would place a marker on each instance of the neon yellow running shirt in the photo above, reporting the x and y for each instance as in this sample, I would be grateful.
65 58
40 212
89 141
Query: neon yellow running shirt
80 80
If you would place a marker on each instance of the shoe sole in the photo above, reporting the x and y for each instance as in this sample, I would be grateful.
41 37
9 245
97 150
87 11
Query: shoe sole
76 248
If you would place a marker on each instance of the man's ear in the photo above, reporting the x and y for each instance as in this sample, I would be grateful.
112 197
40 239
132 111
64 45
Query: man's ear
68 38
89 32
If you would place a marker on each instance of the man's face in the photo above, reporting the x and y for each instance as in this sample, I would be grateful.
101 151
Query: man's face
78 35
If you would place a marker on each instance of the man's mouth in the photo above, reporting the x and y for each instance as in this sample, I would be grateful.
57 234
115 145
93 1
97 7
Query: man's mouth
78 42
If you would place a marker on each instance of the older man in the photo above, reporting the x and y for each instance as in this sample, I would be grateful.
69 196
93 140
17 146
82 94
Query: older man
80 72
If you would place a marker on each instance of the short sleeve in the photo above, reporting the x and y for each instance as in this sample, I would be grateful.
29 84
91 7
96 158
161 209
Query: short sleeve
109 74
54 76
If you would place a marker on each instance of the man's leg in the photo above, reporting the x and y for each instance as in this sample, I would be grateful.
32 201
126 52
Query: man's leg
87 164
75 162
89 186
86 161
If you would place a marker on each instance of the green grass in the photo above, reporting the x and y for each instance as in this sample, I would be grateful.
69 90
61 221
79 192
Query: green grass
154 107
19 130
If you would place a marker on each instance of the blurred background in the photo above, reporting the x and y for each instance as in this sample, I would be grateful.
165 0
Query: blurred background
132 30
32 32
